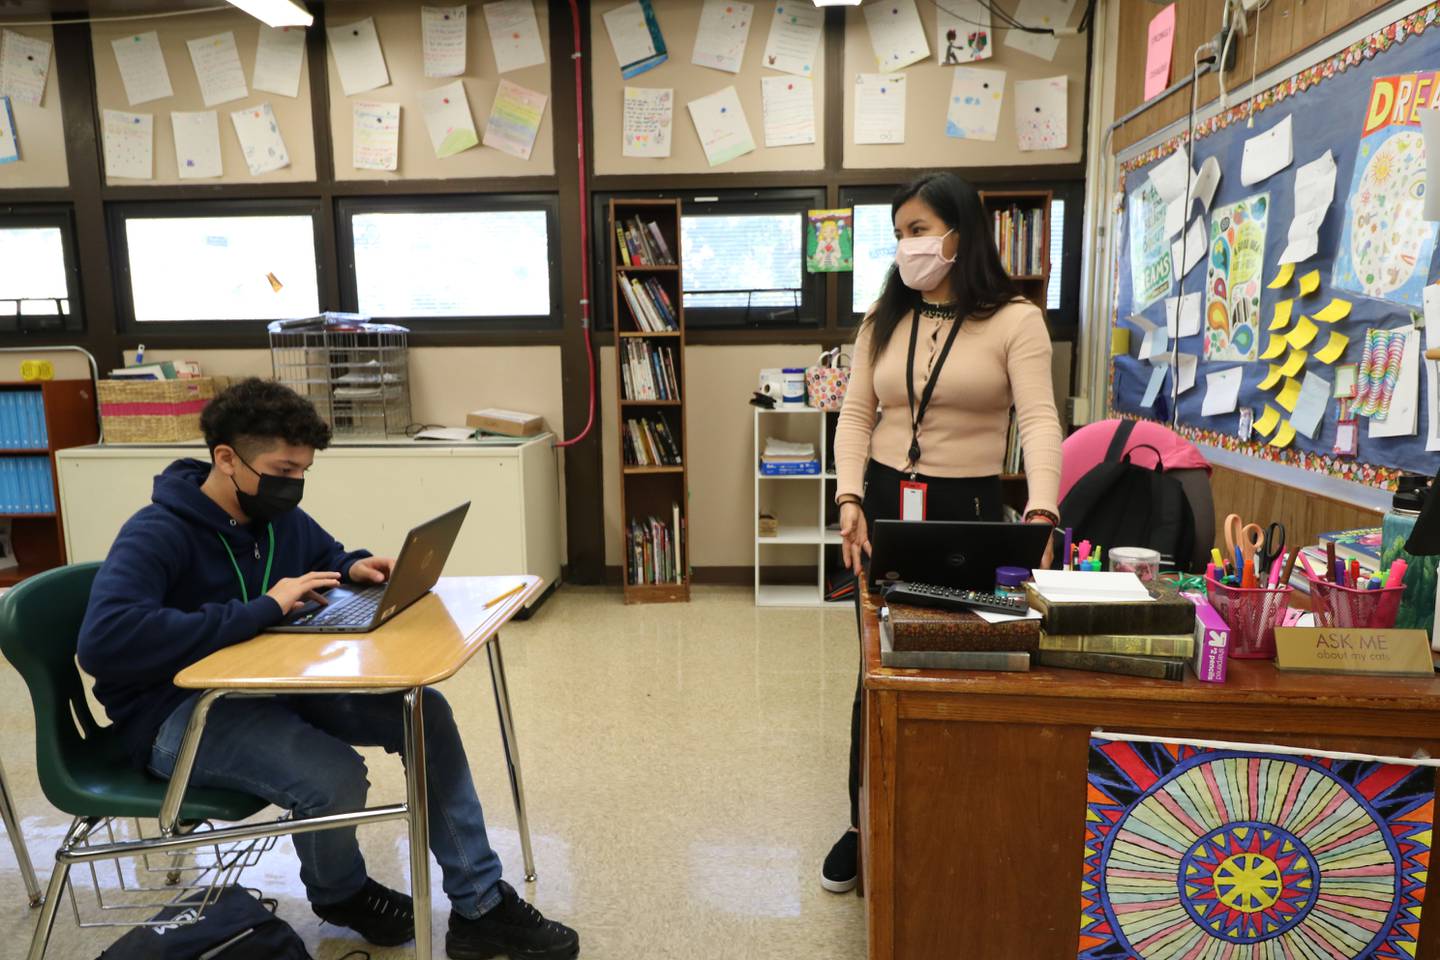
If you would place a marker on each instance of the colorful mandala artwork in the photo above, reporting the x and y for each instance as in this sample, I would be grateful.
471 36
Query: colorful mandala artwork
1194 853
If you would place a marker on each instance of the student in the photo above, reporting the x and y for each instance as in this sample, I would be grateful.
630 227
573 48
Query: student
949 312
221 554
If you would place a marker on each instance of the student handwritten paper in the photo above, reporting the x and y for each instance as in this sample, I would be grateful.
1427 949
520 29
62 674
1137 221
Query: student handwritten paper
963 31
1158 49
24 67
1042 14
794 37
129 144
375 137
648 115
217 67
260 141
9 142
1040 114
724 31
514 119
197 144
1222 391
896 34
879 108
789 104
514 34
1310 408
976 95
142 67
1187 365
720 123
1154 340
635 36
1314 189
1268 153
447 119
358 57
279 56
442 40
1182 315
1195 242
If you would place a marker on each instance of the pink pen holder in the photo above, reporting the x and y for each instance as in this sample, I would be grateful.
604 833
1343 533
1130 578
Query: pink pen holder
1252 616
1337 606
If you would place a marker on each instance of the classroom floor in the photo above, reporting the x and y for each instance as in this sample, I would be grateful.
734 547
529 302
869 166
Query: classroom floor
685 771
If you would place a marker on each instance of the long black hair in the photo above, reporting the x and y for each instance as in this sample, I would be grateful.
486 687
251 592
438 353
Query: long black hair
980 284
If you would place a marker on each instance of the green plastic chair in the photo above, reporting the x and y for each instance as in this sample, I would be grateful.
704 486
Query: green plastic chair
84 770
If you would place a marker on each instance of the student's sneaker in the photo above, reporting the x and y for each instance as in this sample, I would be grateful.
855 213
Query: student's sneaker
382 916
513 928
841 870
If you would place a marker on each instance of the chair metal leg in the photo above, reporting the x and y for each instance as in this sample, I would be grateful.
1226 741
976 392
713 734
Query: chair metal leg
45 922
416 800
512 751
17 840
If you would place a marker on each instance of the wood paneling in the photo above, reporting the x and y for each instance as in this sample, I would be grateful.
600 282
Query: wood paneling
1305 515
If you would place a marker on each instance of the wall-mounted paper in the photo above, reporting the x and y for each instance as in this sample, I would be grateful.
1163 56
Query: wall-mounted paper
9 142
1430 131
1432 367
217 67
358 57
197 144
1283 436
1272 377
1282 277
1309 283
1205 182
896 34
879 108
375 137
1268 153
1336 309
1174 217
647 119
1289 395
1182 315
1155 341
1152 388
260 139
442 39
1281 319
1268 421
1042 14
1302 333
1194 242
963 29
514 119
1275 346
789 104
976 95
1294 363
1188 365
635 37
514 34
279 56
1158 49
129 144
1151 266
24 66
1169 176
1040 114
1310 408
721 126
1334 347
724 31
1403 418
1222 391
447 119
142 67
1314 189
794 37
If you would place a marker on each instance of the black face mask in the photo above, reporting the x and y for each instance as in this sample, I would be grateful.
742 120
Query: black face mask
273 497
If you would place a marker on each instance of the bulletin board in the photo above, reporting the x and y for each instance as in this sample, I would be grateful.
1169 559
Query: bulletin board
1327 104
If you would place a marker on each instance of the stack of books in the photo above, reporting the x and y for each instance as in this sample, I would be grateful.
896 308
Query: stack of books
26 486
649 372
650 306
929 639
163 370
1361 545
782 458
1020 236
1153 637
649 443
22 420
655 549
642 244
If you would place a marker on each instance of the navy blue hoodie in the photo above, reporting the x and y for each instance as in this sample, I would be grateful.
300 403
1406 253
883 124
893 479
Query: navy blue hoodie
168 596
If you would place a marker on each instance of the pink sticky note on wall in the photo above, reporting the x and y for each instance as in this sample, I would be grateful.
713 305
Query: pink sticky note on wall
1158 50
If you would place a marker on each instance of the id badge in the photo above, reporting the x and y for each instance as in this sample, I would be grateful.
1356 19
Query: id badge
912 500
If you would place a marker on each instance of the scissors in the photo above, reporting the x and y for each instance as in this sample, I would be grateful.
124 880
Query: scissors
1274 546
1245 541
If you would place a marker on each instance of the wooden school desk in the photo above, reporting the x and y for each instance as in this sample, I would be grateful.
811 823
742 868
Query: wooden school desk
421 646
973 802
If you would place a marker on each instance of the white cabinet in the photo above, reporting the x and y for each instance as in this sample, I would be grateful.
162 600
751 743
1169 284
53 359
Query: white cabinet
799 503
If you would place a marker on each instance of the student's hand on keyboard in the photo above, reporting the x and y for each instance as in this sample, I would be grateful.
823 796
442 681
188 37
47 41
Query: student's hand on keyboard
294 592
371 570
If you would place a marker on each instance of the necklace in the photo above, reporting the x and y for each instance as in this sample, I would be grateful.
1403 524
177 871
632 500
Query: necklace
940 311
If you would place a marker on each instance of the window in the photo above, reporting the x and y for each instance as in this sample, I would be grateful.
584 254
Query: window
37 273
744 260
215 263
1057 254
874 253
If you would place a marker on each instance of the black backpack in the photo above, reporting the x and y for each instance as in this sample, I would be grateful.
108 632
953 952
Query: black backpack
1120 504
236 926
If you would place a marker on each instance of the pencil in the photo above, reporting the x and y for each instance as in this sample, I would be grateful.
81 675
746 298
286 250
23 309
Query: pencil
505 596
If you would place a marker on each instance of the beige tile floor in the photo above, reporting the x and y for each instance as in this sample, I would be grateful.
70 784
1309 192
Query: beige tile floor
685 769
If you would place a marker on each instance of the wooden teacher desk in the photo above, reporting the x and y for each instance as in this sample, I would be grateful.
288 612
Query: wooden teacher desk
973 802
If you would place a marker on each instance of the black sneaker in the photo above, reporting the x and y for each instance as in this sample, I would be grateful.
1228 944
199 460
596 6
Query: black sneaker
841 870
382 916
513 928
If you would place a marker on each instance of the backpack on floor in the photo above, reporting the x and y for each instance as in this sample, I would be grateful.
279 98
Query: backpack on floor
236 926
1121 504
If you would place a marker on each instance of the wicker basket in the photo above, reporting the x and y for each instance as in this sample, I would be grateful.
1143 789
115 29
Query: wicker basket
153 411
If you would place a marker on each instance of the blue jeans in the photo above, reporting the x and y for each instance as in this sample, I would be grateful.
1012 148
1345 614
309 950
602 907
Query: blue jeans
298 752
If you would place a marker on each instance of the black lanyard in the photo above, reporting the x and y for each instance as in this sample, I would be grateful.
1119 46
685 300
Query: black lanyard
918 414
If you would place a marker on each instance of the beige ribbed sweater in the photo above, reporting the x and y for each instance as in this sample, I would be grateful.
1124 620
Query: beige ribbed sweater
995 364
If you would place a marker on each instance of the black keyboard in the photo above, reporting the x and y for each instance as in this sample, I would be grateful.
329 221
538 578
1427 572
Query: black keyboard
357 610
952 598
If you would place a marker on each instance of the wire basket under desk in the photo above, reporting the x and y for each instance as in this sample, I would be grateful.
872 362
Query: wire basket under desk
356 373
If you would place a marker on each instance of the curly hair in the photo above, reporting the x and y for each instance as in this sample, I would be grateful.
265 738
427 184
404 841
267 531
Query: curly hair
253 415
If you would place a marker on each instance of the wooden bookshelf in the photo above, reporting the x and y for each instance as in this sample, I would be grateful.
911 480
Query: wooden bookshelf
654 490
1034 285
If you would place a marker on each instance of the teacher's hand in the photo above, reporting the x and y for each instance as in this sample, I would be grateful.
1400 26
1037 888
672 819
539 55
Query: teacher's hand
854 536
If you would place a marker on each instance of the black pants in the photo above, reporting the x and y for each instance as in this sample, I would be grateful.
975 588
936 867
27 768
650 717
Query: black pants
947 498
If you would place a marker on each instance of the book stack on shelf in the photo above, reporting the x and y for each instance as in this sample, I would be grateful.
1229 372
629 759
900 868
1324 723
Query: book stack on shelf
654 558
649 304
27 486
642 243
1019 234
648 372
649 443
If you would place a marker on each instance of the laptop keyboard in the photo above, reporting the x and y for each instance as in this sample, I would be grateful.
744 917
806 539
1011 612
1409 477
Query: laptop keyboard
357 610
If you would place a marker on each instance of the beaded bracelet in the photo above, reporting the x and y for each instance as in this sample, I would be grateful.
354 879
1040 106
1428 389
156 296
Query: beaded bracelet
1045 515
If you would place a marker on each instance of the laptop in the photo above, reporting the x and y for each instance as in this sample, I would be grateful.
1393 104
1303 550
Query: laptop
958 554
360 609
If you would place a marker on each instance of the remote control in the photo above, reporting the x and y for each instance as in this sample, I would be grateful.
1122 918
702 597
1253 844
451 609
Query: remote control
951 598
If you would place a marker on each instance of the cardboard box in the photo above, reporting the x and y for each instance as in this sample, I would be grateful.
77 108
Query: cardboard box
1212 641
507 422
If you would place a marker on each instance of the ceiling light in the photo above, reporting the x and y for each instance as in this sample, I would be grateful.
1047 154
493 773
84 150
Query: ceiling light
276 13
840 3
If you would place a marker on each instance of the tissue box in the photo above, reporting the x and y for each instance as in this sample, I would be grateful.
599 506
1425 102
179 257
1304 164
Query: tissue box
510 423
1212 641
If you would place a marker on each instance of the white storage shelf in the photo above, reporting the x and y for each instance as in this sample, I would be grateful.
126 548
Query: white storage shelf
795 530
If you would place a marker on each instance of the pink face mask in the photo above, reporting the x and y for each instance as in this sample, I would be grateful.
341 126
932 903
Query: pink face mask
921 262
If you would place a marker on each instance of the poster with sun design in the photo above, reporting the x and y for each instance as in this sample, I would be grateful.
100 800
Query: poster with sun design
1232 279
1385 242
1239 852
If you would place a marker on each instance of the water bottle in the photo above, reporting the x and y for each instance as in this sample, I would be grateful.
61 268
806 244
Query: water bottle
1417 605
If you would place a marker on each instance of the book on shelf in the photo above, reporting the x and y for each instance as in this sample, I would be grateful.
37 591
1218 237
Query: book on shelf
1014 454
649 304
642 244
1362 545
1019 237
1156 668
648 372
22 420
649 443
1166 613
1135 645
26 486
655 549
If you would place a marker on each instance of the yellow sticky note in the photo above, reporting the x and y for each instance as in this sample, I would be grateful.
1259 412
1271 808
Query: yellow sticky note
1283 436
1289 395
1287 270
1334 310
1268 421
1276 372
1293 363
1303 332
1310 283
1119 341
1274 348
1282 315
1333 348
